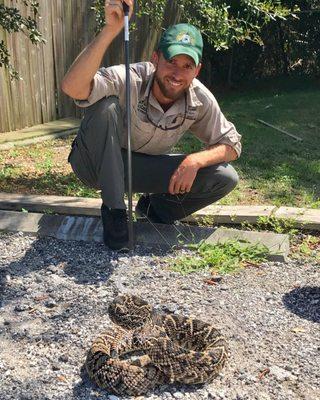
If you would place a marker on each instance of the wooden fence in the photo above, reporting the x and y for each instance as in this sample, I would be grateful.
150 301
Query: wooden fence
67 27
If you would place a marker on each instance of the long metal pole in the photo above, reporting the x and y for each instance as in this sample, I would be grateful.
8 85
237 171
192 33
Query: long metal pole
128 113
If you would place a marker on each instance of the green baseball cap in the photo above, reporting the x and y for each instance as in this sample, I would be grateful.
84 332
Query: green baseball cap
182 39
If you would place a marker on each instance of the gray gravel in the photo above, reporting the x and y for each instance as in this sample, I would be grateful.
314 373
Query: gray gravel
53 301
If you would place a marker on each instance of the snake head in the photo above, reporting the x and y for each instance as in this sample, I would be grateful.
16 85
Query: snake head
130 312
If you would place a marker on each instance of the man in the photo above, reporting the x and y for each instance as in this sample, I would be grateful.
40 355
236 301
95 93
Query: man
167 100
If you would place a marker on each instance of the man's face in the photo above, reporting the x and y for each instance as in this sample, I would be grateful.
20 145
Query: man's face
173 77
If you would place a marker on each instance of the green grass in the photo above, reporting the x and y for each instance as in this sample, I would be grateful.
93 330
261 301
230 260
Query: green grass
274 168
222 258
41 169
10 171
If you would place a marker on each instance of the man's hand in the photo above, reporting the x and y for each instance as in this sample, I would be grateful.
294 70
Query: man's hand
114 14
184 176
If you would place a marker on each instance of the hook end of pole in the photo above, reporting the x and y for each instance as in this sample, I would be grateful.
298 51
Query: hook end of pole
125 8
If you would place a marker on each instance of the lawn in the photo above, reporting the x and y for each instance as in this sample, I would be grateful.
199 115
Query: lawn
274 168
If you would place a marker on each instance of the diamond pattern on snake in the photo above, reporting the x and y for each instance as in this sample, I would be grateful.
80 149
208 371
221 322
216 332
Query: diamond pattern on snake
146 348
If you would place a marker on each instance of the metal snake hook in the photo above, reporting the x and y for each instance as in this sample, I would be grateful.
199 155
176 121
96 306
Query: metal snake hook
128 116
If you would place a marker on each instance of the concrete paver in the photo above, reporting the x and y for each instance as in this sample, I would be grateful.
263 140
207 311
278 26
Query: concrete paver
66 205
214 214
278 244
47 128
307 218
220 214
39 133
90 229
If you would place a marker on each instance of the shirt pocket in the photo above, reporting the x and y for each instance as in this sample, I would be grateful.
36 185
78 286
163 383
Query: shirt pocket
142 132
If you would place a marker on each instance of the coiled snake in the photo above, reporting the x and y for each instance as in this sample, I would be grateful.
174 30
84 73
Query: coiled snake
147 348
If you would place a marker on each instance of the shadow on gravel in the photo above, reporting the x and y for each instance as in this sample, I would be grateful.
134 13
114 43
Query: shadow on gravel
48 259
87 263
305 302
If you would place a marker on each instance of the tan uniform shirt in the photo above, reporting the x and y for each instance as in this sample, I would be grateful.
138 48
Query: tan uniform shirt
197 112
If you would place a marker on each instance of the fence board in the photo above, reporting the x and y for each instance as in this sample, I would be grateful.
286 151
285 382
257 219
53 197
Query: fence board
5 97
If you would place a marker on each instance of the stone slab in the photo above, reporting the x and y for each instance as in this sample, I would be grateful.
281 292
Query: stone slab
88 206
90 229
308 218
220 214
50 204
48 128
39 139
278 244
214 214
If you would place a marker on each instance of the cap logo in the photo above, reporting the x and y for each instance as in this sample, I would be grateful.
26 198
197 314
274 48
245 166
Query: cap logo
185 38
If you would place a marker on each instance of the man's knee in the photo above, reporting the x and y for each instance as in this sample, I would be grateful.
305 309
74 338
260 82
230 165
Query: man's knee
220 179
109 105
228 177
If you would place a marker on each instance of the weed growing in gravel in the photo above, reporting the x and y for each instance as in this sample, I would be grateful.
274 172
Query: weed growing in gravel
306 247
223 258
278 225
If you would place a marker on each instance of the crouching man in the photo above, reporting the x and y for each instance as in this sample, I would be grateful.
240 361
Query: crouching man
167 100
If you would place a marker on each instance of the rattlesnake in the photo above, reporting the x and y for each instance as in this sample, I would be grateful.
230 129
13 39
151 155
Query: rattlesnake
147 348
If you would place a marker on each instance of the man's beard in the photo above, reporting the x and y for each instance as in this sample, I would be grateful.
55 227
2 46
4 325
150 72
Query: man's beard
172 95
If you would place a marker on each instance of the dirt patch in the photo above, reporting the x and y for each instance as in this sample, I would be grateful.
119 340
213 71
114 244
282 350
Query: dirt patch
42 168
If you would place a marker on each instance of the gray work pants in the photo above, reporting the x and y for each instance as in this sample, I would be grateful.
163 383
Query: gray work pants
99 162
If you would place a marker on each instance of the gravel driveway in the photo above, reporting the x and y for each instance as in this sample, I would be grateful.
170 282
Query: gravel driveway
53 300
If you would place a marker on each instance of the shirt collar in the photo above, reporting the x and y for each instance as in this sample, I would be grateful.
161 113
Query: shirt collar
193 99
149 85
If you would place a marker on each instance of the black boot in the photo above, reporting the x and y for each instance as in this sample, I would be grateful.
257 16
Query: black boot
115 228
145 211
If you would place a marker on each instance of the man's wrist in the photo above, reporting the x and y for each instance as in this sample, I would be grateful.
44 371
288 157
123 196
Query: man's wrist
109 32
194 160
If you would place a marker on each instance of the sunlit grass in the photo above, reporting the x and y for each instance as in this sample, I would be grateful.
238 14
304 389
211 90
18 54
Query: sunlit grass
222 258
274 168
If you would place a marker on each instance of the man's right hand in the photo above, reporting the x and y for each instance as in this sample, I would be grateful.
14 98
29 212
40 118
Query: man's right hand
114 14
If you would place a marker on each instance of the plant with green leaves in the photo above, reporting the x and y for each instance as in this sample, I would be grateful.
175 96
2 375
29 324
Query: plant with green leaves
155 9
222 23
224 258
306 247
11 20
278 225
